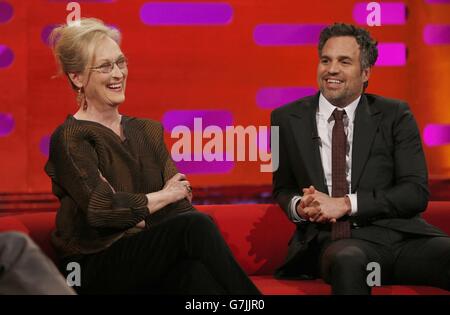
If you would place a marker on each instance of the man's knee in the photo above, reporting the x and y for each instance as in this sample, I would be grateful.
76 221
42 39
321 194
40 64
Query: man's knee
342 260
350 256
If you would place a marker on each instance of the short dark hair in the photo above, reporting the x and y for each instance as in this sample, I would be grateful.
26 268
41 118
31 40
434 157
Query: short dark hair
367 45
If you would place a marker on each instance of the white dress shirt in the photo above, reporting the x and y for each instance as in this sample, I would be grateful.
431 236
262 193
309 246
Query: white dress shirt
325 123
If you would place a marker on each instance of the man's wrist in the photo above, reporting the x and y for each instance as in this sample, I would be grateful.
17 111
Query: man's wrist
295 216
347 205
299 207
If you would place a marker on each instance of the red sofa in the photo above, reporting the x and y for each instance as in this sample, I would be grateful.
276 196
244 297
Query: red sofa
256 233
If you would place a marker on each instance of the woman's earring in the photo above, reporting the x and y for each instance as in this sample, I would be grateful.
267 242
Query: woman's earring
82 99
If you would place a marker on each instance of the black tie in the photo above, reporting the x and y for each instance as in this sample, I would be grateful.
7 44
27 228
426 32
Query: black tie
340 229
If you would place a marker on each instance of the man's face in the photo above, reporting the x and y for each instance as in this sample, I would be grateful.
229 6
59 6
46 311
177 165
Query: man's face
339 72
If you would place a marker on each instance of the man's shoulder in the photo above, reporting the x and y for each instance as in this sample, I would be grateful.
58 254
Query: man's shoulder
296 105
385 104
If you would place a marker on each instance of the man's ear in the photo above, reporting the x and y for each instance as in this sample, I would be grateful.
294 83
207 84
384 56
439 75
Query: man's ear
76 79
366 74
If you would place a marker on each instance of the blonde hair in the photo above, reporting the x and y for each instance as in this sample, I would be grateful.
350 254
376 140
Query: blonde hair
74 45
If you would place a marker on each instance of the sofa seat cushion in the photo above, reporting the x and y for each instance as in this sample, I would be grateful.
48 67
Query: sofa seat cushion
257 234
271 286
11 223
41 226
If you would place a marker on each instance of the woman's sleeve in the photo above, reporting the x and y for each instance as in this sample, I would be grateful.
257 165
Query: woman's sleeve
169 169
74 167
167 164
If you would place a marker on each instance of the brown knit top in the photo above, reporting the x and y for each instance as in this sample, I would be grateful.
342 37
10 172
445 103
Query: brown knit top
94 213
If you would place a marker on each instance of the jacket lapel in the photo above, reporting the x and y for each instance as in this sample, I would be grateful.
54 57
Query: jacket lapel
367 119
304 127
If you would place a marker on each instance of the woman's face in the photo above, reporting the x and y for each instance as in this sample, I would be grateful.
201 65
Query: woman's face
101 85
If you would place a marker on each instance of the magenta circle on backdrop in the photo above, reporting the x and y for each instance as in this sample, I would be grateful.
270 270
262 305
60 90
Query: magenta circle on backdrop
6 56
45 33
7 124
44 145
6 11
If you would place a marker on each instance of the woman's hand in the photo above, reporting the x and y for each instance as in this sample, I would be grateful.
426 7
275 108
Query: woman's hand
180 182
175 189
141 224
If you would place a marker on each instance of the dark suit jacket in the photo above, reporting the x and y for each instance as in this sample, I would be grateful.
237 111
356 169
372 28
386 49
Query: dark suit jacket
389 172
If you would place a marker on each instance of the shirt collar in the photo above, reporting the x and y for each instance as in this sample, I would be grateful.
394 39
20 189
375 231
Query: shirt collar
326 108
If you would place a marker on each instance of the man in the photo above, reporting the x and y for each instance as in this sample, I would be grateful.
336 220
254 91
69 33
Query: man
24 269
352 176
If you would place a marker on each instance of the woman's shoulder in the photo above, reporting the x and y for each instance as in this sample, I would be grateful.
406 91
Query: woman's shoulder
67 126
72 130
148 125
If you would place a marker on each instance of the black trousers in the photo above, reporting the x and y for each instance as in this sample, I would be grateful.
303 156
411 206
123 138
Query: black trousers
183 255
403 258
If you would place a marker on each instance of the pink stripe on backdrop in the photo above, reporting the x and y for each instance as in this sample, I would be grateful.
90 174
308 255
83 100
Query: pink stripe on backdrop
186 13
273 97
436 34
219 118
436 134
391 54
94 1
392 13
438 1
287 34
173 118
205 167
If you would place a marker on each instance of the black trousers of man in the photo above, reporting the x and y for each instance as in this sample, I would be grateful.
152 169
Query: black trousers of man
407 259
183 255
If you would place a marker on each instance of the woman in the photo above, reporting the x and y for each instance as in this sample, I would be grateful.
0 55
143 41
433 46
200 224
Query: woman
126 215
